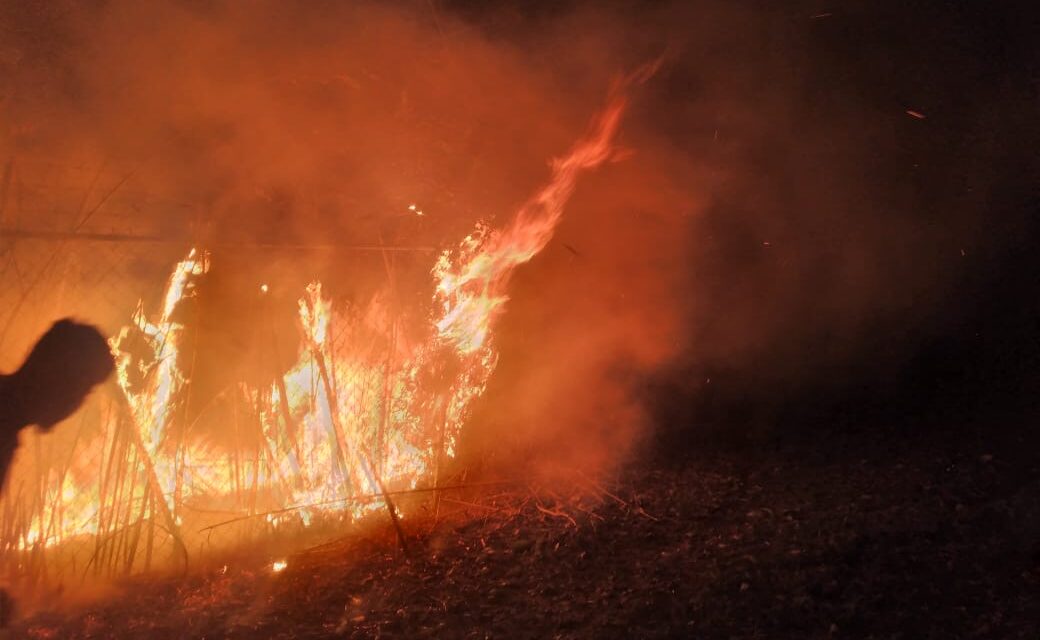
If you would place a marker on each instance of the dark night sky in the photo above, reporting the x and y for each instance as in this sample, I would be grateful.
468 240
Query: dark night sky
959 186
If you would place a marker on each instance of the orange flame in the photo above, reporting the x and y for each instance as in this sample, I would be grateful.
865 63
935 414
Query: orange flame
349 421
471 288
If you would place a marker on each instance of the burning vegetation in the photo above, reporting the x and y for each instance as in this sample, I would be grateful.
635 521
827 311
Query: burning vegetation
368 408
425 314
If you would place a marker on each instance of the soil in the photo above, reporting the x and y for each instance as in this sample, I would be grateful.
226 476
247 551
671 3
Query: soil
870 535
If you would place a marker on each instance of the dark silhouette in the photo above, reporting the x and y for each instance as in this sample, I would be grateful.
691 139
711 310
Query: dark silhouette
64 365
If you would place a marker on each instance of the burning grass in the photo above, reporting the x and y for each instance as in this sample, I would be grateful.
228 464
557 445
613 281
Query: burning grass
842 536
369 408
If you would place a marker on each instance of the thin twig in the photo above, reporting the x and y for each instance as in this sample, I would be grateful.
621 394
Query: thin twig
474 504
556 513
369 497
603 490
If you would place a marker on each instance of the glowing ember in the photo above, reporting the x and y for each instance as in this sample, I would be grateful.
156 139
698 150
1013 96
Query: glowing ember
279 565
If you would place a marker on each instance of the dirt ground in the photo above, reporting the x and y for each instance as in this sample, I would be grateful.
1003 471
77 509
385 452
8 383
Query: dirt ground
862 536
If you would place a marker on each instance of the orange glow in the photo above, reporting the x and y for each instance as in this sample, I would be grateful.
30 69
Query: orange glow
350 420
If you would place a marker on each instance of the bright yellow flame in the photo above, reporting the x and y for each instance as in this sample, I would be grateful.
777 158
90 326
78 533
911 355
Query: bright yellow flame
352 414
279 565
472 282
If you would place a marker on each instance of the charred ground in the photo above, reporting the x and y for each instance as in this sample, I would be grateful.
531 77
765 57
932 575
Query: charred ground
871 535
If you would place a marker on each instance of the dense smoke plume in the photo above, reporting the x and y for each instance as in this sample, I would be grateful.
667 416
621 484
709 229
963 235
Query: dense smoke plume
772 211
321 124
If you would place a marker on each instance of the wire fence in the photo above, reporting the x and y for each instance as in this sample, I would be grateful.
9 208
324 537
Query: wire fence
95 498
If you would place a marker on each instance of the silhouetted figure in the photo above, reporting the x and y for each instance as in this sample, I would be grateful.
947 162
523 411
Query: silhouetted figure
64 365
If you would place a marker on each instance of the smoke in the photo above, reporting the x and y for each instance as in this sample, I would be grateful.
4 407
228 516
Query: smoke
824 221
773 210
322 124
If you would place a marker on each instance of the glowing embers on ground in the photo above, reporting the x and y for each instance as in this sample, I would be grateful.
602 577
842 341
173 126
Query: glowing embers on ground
346 420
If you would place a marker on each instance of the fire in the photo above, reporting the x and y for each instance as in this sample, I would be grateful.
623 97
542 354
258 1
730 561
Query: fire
150 406
355 415
471 284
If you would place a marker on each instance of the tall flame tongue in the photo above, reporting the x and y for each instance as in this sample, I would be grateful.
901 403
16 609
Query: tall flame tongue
359 411
472 287
150 405
471 282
